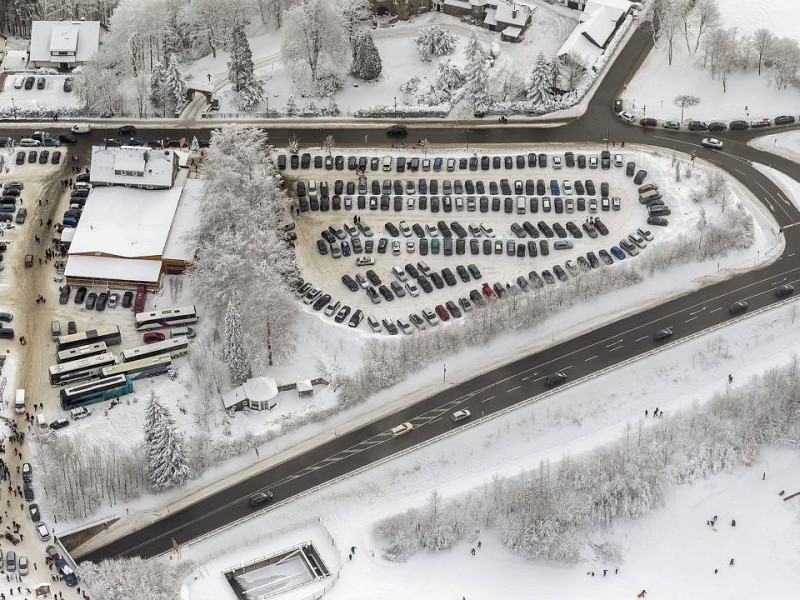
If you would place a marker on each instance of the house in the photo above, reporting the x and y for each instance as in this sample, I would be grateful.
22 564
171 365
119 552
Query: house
402 9
597 25
507 17
134 166
257 393
64 44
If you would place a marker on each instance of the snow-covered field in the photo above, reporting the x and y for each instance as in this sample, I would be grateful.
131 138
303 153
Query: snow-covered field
652 90
401 61
569 423
785 144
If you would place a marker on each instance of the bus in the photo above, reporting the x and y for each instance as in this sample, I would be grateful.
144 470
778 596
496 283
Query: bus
140 299
81 369
95 391
81 352
139 369
174 347
168 317
108 334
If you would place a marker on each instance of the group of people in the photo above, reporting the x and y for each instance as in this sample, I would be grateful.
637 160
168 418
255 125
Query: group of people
656 412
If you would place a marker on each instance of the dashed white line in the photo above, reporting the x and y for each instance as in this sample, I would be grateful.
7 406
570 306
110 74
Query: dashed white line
715 310
692 319
487 399
615 349
590 358
644 337
512 389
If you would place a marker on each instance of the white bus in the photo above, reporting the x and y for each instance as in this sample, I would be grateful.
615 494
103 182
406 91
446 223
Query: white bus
168 317
174 347
79 370
139 369
81 352
108 334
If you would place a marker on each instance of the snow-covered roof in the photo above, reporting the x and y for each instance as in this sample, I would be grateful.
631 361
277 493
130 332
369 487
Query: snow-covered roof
132 165
78 40
592 5
512 32
260 389
187 218
126 222
511 13
463 4
490 17
602 24
233 397
121 269
200 86
305 386
580 48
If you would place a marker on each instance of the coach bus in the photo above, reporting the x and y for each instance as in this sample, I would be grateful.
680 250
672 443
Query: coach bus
81 352
95 391
109 334
81 369
174 347
139 369
168 317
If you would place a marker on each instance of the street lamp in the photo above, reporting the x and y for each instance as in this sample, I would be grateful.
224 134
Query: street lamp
608 135
13 108
444 367
395 108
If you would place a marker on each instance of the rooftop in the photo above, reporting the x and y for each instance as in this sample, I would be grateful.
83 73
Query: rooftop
119 269
132 165
80 39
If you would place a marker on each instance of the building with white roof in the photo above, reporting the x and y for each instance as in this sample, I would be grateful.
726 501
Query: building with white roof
64 44
134 166
128 236
257 393
510 18
597 25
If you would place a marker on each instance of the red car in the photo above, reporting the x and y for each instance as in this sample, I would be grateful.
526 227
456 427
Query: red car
442 312
488 291
151 337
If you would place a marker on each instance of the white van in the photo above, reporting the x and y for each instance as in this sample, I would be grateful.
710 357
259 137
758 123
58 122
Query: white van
387 163
29 143
521 205
19 402
41 422
18 81
311 189
81 128
55 329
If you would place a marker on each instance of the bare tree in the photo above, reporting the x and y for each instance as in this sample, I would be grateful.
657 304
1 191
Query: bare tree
707 17
328 144
762 41
685 100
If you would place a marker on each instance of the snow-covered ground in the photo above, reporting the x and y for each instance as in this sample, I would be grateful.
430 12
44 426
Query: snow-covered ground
52 96
401 61
785 144
652 90
668 541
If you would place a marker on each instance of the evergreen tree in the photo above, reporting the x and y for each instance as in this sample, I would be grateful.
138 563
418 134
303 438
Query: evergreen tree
167 465
175 86
291 106
477 74
367 63
249 90
158 89
539 84
233 350
194 148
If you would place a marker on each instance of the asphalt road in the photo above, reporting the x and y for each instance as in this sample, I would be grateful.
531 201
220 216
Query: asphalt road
519 381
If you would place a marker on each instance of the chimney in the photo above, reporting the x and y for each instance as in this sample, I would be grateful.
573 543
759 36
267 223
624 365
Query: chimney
514 12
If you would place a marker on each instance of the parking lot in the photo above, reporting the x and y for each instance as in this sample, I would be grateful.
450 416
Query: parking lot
43 88
483 226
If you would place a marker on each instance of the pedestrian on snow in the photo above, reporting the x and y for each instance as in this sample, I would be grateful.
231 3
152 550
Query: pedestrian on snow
479 544
352 549
472 552
641 594
622 144
731 563
733 523
655 412
764 476
730 378
645 413
350 556
616 571
605 572
716 571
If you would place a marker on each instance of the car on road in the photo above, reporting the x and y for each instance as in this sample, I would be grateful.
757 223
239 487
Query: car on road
260 499
59 424
626 116
36 516
785 289
555 378
737 307
126 130
401 429
461 415
662 334
712 143
80 413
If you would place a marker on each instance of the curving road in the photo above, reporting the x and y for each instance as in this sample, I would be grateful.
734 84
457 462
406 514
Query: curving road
519 381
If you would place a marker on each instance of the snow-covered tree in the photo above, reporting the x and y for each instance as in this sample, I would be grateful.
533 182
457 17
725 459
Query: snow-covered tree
477 74
707 16
449 80
291 106
167 464
233 350
159 95
762 41
366 58
783 60
174 84
434 40
539 85
249 90
209 23
315 46
355 13
133 579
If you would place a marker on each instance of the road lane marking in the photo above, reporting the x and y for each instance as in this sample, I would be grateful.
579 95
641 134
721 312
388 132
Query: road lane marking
512 389
487 399
716 309
690 319
697 311
644 337
617 348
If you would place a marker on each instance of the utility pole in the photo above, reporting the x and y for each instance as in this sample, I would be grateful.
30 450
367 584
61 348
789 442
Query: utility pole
395 108
444 366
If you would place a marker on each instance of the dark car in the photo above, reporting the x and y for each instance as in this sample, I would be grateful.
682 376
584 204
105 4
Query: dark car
80 295
44 156
660 221
356 318
662 334
126 130
350 283
55 158
35 514
63 296
453 308
555 378
648 122
102 301
59 424
786 289
641 174
784 120
322 302
386 293
29 81
67 138
91 300
697 126
717 126
32 156
260 499
322 247
737 307
20 157
397 130
437 280
448 276
127 299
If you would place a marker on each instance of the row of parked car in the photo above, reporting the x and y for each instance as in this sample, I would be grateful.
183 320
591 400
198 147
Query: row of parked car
474 163
9 196
737 124
94 300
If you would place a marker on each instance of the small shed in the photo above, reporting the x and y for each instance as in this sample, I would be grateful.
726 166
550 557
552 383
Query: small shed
305 388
